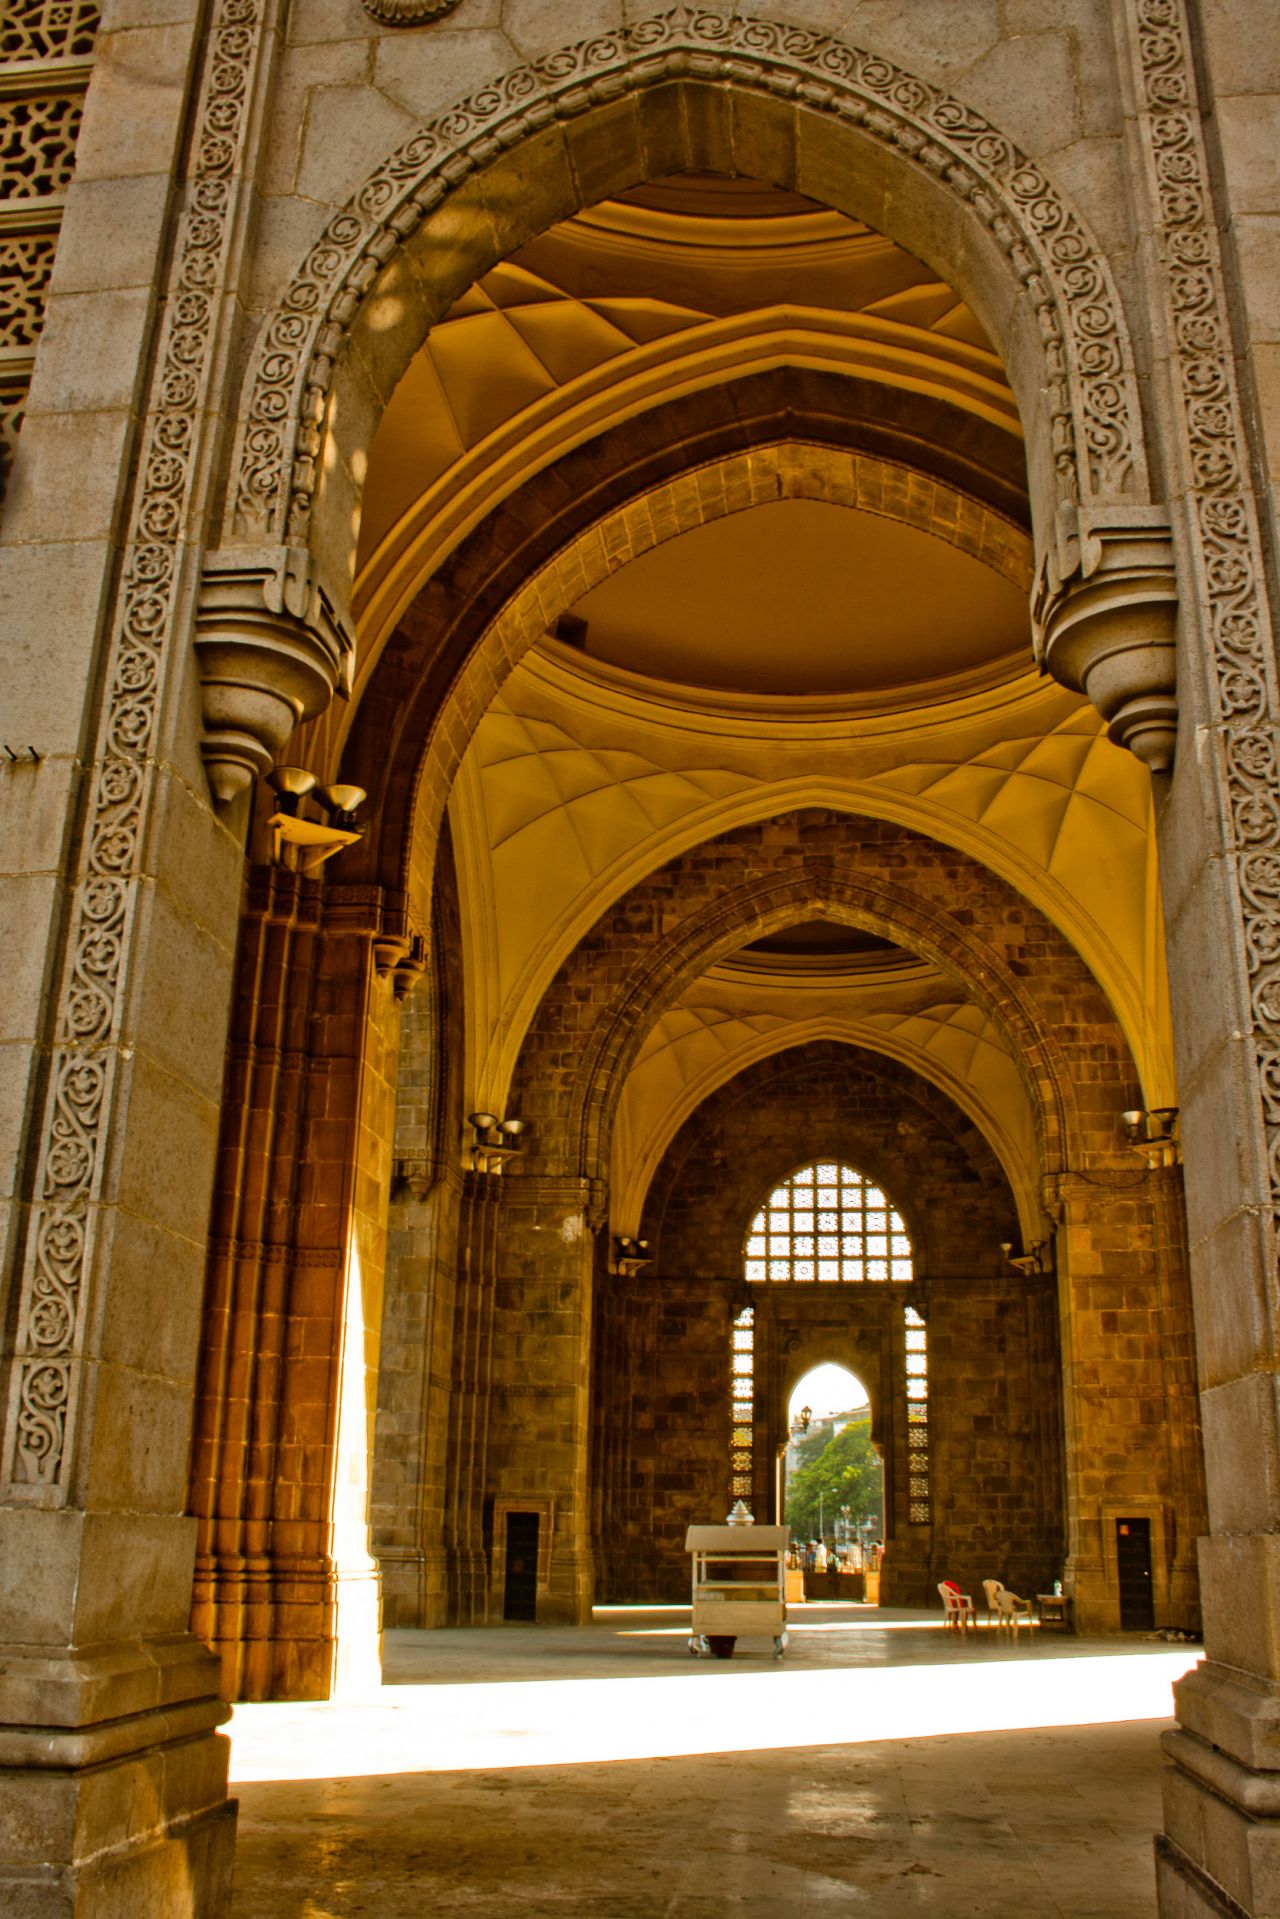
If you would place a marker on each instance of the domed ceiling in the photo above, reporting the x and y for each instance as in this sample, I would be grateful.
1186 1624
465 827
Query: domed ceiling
859 642
801 597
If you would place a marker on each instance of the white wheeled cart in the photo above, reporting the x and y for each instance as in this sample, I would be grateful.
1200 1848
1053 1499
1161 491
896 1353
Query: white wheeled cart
739 1586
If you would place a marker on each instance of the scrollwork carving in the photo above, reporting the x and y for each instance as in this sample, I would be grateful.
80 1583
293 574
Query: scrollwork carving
39 1431
1226 555
1096 435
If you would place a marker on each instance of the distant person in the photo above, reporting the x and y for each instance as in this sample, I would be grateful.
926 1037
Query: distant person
820 1557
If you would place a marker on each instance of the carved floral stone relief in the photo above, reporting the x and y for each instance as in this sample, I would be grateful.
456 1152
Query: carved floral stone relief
1222 521
79 1108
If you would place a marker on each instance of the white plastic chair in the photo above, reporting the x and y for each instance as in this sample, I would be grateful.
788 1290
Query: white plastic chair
1010 1610
957 1609
991 1587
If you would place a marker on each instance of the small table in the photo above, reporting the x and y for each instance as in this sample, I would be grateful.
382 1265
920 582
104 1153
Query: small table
1054 1609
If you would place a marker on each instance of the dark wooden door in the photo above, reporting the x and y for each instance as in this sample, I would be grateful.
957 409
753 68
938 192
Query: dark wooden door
1133 1560
520 1594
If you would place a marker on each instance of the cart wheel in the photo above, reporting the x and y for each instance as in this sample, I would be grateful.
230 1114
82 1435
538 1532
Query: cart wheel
695 1646
721 1645
780 1644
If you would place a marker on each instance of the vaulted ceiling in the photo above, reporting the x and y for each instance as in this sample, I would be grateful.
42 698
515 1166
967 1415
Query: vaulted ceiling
866 649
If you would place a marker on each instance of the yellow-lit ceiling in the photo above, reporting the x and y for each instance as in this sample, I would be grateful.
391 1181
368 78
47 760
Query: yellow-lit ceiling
686 703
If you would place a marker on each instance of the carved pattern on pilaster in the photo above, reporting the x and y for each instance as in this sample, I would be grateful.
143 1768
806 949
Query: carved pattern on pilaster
1096 433
53 1298
1226 549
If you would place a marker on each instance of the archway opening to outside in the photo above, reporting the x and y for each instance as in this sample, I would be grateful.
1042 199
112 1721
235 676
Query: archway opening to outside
833 1477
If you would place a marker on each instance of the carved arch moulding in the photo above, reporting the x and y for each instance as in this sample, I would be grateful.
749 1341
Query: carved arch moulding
814 883
1091 564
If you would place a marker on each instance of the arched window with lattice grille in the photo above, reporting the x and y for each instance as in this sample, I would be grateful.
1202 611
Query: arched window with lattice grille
827 1224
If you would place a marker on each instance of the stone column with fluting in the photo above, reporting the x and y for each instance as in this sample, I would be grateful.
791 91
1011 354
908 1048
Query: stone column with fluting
286 1589
466 1456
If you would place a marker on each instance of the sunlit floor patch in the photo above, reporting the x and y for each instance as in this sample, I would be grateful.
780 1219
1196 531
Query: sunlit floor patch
542 1721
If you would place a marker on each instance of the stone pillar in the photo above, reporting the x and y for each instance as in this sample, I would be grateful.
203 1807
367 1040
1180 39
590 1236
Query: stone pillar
285 1589
540 1427
412 1452
1208 289
1132 1438
121 892
466 1460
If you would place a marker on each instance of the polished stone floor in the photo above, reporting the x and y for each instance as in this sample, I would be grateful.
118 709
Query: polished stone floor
884 1767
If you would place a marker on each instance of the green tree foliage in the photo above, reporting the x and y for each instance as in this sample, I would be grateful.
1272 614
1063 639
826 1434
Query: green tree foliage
845 1471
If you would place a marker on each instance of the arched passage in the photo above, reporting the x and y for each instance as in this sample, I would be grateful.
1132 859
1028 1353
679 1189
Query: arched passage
848 127
113 1058
830 1453
865 1130
1061 334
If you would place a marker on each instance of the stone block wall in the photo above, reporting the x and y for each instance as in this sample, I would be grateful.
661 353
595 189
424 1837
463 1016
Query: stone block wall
408 1506
661 1427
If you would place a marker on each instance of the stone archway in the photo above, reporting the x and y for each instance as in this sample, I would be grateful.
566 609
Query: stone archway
592 1024
837 122
997 1335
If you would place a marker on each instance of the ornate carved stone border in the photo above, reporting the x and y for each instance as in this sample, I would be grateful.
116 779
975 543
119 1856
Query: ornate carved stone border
78 1113
1226 548
1097 436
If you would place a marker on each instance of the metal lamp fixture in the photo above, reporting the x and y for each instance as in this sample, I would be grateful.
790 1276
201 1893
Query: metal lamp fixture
1036 1259
303 844
340 803
490 1154
1154 1134
630 1255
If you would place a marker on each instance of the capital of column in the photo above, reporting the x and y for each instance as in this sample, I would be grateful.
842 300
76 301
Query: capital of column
273 649
1104 608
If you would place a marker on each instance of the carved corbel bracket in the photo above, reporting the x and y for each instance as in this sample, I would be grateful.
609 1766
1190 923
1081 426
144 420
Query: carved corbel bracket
1105 609
415 1176
409 13
272 650
404 957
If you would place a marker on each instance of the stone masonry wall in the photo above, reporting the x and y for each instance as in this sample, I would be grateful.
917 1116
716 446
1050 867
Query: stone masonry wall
408 1503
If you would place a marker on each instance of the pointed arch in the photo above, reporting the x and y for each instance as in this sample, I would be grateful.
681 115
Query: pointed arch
688 87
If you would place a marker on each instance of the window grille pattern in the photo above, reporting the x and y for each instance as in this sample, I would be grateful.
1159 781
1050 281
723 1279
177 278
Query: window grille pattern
26 261
826 1224
917 1341
38 145
742 1365
45 46
13 398
48 29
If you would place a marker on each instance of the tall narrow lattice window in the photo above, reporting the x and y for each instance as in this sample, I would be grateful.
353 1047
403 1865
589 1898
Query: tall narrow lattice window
917 1418
827 1222
742 1373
